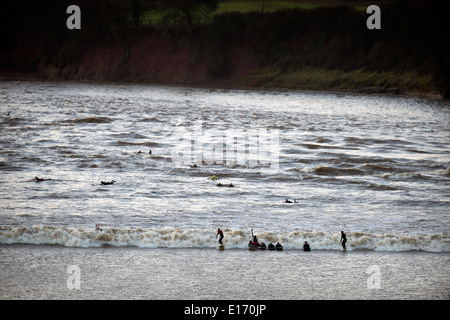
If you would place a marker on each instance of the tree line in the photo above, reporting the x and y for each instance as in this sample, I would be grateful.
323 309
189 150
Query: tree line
413 36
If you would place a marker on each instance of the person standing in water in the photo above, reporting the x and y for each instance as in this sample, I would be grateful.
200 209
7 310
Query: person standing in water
220 234
343 240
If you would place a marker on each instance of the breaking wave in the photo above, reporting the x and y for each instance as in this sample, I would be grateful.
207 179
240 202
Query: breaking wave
90 120
201 238
373 170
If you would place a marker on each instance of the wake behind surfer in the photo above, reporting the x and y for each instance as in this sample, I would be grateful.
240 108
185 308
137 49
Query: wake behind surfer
220 234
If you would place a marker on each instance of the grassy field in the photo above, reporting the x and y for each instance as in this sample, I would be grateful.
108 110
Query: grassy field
153 16
266 6
320 79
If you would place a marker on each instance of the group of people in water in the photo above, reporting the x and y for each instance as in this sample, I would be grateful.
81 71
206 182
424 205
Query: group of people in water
261 245
255 244
214 177
101 182
37 179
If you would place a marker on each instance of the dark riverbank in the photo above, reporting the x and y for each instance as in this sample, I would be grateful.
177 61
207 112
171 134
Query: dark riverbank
328 48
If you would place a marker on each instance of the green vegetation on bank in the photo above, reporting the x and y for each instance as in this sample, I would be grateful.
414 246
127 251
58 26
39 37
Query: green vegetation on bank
322 79
156 15
263 6
330 47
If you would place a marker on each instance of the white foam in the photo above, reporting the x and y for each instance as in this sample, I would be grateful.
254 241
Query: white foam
201 238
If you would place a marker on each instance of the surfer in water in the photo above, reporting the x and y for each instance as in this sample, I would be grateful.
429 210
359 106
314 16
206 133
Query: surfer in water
40 179
220 234
306 246
343 240
255 239
225 185
107 182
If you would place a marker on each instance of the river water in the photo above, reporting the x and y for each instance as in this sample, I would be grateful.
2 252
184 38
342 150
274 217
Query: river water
376 167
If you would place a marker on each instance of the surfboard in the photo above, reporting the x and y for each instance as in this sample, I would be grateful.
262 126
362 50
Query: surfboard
221 247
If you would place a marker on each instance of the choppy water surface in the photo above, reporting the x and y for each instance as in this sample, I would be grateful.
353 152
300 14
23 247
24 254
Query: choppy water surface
377 167
40 272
